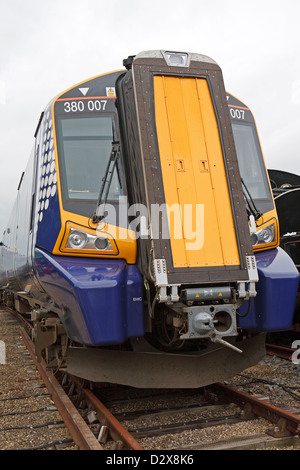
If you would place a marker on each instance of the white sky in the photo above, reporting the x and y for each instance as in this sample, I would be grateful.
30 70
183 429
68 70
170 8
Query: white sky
46 46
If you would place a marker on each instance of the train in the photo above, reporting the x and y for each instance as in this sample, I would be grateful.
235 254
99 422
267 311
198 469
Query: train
286 191
143 246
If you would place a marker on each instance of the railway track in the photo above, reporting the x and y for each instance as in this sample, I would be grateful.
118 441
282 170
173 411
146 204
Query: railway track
122 418
220 417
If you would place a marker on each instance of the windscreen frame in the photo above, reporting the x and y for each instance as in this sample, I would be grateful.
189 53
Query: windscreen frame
263 204
241 114
83 206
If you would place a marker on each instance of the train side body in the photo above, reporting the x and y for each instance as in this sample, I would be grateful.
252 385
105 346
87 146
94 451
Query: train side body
16 262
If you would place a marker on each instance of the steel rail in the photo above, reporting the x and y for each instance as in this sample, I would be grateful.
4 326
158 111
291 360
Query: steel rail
19 317
78 428
279 351
286 420
116 430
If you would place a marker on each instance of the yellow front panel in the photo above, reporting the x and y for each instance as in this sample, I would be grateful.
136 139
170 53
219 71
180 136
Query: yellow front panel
193 174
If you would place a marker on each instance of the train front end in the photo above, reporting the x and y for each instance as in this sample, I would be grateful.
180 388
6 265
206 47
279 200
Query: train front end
151 253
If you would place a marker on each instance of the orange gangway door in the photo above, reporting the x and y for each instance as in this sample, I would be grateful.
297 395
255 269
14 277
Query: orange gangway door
200 220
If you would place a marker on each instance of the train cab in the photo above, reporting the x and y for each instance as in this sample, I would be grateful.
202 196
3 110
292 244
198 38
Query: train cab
257 190
275 269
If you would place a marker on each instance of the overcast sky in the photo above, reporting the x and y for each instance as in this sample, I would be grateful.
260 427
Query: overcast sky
46 46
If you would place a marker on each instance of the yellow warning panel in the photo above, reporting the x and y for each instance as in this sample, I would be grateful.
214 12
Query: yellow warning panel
196 193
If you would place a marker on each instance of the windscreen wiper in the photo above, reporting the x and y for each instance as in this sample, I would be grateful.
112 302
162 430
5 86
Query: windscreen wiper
252 209
113 163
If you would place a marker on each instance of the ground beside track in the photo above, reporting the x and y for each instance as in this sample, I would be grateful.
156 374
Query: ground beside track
25 404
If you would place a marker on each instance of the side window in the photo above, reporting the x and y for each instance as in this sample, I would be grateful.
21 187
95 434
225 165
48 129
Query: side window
35 167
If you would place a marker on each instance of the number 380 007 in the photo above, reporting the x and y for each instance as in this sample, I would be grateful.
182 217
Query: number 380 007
80 106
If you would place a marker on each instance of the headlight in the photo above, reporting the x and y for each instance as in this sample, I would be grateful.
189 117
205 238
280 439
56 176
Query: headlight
102 243
79 240
264 236
179 59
